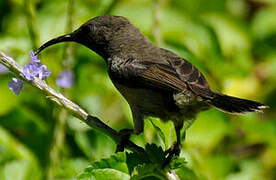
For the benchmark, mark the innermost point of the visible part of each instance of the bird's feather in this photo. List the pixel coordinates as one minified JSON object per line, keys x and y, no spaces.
{"x":158,"y":77}
{"x":179,"y":75}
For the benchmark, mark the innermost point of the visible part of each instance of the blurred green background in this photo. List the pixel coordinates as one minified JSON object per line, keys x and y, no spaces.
{"x":233,"y":42}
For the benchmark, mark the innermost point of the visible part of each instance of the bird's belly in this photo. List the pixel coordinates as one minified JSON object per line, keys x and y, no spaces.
{"x":148,"y":101}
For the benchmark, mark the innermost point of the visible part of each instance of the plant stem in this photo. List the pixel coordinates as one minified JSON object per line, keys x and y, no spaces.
{"x":157,"y":6}
{"x":31,"y":23}
{"x":60,"y":126}
{"x":58,"y":141}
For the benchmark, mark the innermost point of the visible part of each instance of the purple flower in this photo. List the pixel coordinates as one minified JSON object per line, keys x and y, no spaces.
{"x":34,"y":57}
{"x":31,"y":70}
{"x":65,"y":79}
{"x":43,"y":72}
{"x":16,"y":85}
{"x":3,"y":69}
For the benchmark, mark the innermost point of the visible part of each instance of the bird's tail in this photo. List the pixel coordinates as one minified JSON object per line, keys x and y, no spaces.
{"x":235,"y":105}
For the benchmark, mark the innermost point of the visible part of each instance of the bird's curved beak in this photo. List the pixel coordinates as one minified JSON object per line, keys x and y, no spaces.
{"x":64,"y":38}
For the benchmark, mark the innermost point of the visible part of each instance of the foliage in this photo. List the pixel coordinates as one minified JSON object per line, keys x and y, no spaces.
{"x":232,"y":42}
{"x":138,"y":165}
{"x":113,"y":168}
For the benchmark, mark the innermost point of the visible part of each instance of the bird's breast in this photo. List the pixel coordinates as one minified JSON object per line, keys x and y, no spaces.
{"x":149,"y":102}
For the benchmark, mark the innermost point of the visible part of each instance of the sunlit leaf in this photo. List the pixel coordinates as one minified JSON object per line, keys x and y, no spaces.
{"x":107,"y":174}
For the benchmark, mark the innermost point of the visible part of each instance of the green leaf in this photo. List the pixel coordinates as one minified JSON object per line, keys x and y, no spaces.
{"x":156,"y":154}
{"x":149,"y":172}
{"x":159,"y":132}
{"x":165,"y":130}
{"x":134,"y":159}
{"x":185,"y":173}
{"x":263,"y":24}
{"x":150,"y":167}
{"x":112,"y":168}
{"x":70,"y":168}
{"x":177,"y":162}
{"x":19,"y":170}
{"x":231,"y":36}
{"x":154,"y":170}
{"x":116,"y":161}
{"x":94,"y":144}
{"x":106,"y":174}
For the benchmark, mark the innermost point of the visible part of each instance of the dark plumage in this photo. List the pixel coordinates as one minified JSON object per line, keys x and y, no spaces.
{"x":155,"y":82}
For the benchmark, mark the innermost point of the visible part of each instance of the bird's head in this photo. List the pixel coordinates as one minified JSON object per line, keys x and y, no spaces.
{"x":96,"y":34}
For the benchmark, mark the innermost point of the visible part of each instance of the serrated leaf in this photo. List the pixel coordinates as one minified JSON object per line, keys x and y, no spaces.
{"x":106,"y":174}
{"x":177,"y":162}
{"x":156,"y":154}
{"x":116,"y":162}
{"x":111,"y":168}
{"x":86,"y":176}
{"x":134,"y":159}
{"x":149,"y":172}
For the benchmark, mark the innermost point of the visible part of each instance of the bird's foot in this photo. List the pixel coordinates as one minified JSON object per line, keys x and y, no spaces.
{"x":172,"y":152}
{"x":124,"y":134}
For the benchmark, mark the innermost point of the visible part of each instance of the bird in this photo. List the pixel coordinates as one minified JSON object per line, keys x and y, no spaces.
{"x":154,"y":81}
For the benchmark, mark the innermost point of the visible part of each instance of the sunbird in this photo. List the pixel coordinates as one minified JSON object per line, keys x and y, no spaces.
{"x":155,"y":82}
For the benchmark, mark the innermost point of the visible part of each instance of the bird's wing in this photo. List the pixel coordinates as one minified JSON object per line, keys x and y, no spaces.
{"x":169,"y":73}
{"x":179,"y":75}
{"x":161,"y":77}
{"x":192,"y":76}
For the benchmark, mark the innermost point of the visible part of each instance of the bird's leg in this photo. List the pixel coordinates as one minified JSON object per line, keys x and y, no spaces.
{"x":176,"y":147}
{"x":124,"y":134}
{"x":138,"y":120}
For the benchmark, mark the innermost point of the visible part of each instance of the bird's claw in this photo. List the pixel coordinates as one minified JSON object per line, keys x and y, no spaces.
{"x":124,"y":135}
{"x":172,"y":152}
{"x":175,"y":149}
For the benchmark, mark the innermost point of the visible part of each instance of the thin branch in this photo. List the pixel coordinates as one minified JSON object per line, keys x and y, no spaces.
{"x":72,"y":107}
